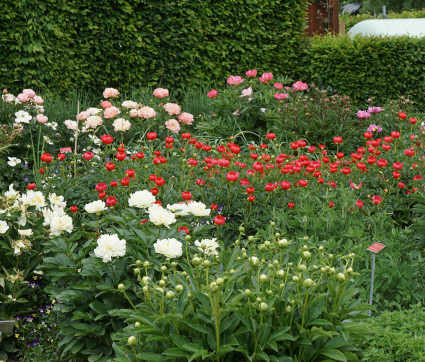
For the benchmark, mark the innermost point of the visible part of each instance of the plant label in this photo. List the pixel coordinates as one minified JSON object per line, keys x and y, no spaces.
{"x":376,"y":248}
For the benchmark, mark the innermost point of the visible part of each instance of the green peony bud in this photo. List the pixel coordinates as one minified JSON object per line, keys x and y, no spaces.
{"x":170,"y":295}
{"x":121,"y":287}
{"x":132,"y":341}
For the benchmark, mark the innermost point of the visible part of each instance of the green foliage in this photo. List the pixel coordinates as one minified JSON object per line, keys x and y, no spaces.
{"x":419,"y":217}
{"x":365,"y":67}
{"x":396,"y":336}
{"x":57,"y":46}
{"x":261,"y":299}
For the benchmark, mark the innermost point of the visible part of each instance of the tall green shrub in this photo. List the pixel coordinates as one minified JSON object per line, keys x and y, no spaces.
{"x":56,"y":45}
{"x":363,"y":67}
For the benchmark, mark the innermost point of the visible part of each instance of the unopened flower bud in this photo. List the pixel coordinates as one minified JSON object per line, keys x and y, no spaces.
{"x":277,"y":235}
{"x":163,"y":268}
{"x":139,"y":262}
{"x":321,"y":248}
{"x":302,"y":267}
{"x":220,"y":281}
{"x":350,"y":270}
{"x":232,"y":271}
{"x":241,"y":229}
{"x":188,"y":238}
{"x":280,"y":273}
{"x":247,"y":292}
{"x":206,"y":263}
{"x":137,"y":325}
{"x":283,"y":243}
{"x":250,"y":238}
{"x":340,"y":277}
{"x":162,"y":283}
{"x":132,"y":341}
{"x":145,"y":288}
{"x":295,"y":278}
{"x":121,"y":287}
{"x":253,"y":260}
{"x":308,"y":283}
{"x":264,"y":307}
{"x":267,"y":243}
{"x":272,"y":224}
{"x":259,"y":300}
{"x":288,"y":309}
{"x":170,"y":295}
{"x":136,"y":271}
{"x":263,"y":278}
{"x":145,"y":264}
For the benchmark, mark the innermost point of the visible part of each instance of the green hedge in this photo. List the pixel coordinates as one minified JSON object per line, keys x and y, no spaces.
{"x":363,"y":67}
{"x":57,"y":45}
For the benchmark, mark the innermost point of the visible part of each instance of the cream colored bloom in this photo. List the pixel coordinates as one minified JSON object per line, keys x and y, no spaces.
{"x":141,"y":199}
{"x":93,"y":122}
{"x":34,"y":198}
{"x":13,"y":161}
{"x":95,"y":206}
{"x":26,"y":232}
{"x":12,"y":193}
{"x":207,"y":246}
{"x":178,"y":209}
{"x":198,"y":209}
{"x":171,"y":248}
{"x":130,"y":104}
{"x":121,"y":124}
{"x":159,"y":216}
{"x":57,"y":200}
{"x":109,"y":246}
{"x":59,"y":224}
{"x":3,"y":227}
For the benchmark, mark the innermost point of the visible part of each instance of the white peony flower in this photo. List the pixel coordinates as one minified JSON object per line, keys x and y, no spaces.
{"x":22,"y":117}
{"x":121,"y":124}
{"x":159,"y":216}
{"x":94,"y":111}
{"x":130,"y":104}
{"x":12,"y":193}
{"x":26,"y":232}
{"x":95,"y":206}
{"x":17,"y":246}
{"x":246,"y":92}
{"x":207,"y":246}
{"x":93,"y":122}
{"x":109,"y":246}
{"x":34,"y":198}
{"x":13,"y":161}
{"x":72,"y":125}
{"x":59,"y":224}
{"x":57,"y":200}
{"x":178,"y":209}
{"x":96,"y":140}
{"x":171,"y":248}
{"x":198,"y":209}
{"x":141,"y":199}
{"x":3,"y":227}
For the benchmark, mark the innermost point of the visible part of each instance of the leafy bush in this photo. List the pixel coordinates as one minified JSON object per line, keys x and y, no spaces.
{"x":350,"y":67}
{"x":55,"y":46}
{"x":396,"y":336}
{"x":258,"y":300}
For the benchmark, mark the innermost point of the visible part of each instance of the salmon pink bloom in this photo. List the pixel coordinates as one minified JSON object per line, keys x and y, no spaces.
{"x":186,"y":118}
{"x":251,"y":73}
{"x":299,"y":86}
{"x":160,"y":92}
{"x":266,"y":77}
{"x":146,"y":112}
{"x":173,"y":125}
{"x":110,"y":92}
{"x":212,"y":93}
{"x":106,"y":104}
{"x":280,"y":96}
{"x":111,"y":112}
{"x":234,"y":80}
{"x":172,"y":108}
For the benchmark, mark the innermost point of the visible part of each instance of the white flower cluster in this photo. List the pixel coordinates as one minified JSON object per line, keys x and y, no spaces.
{"x":207,"y":246}
{"x":109,"y":246}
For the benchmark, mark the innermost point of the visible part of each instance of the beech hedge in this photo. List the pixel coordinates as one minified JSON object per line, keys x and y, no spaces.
{"x":364,"y":67}
{"x":58,"y":45}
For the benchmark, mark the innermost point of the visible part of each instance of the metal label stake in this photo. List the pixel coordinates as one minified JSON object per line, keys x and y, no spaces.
{"x":374,"y":248}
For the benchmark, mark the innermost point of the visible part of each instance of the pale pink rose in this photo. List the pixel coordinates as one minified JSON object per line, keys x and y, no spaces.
{"x":173,"y":125}
{"x":29,"y":92}
{"x":146,"y":112}
{"x":160,"y":92}
{"x":212,"y":94}
{"x":300,"y":86}
{"x":93,"y":122}
{"x":234,"y":80}
{"x":186,"y":118}
{"x":133,"y":113}
{"x":251,"y":73}
{"x":130,"y":104}
{"x":280,"y":96}
{"x":4,"y":91}
{"x":111,"y":112}
{"x":172,"y":108}
{"x":110,"y":92}
{"x":266,"y":77}
{"x":83,"y":115}
{"x":41,"y":118}
{"x":38,"y":100}
{"x":22,"y":97}
{"x":106,"y":104}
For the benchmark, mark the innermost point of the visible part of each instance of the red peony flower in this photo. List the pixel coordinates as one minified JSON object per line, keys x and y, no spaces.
{"x":219,"y":220}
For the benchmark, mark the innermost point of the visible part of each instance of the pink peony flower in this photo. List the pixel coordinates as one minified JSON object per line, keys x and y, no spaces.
{"x":266,"y":77}
{"x":110,"y":92}
{"x":41,"y":118}
{"x":280,"y":96}
{"x":212,"y":93}
{"x":93,"y":122}
{"x":376,"y":199}
{"x":363,"y":114}
{"x":83,"y":115}
{"x":186,"y":118}
{"x":246,"y":92}
{"x":133,"y":112}
{"x":66,"y":150}
{"x":234,"y":80}
{"x":374,"y":110}
{"x":278,"y":86}
{"x":172,"y":108}
{"x":106,"y":104}
{"x":251,"y":73}
{"x":111,"y":112}
{"x":300,"y":86}
{"x":160,"y":92}
{"x":173,"y":125}
{"x":22,"y":97}
{"x":4,"y":91}
{"x":146,"y":112}
{"x":29,"y":92}
{"x":38,"y":100}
